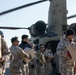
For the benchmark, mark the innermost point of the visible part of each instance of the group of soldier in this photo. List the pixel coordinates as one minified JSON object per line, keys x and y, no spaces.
{"x":41,"y":64}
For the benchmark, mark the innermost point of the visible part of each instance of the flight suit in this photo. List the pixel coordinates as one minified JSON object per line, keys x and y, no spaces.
{"x":40,"y":63}
{"x":48,"y":56}
{"x":16,"y":60}
{"x":65,"y":64}
{"x":5,"y":53}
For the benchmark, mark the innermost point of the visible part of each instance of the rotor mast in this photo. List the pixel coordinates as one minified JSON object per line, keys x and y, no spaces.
{"x":57,"y":18}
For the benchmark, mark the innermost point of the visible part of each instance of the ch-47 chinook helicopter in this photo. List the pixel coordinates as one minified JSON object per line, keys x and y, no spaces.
{"x":57,"y":23}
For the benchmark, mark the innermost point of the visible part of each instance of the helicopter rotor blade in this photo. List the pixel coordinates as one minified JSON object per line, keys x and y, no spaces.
{"x":20,"y":7}
{"x":71,"y":16}
{"x":13,"y":28}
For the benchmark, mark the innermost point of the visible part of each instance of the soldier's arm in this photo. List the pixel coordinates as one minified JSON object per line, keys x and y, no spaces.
{"x":22,"y":53}
{"x":61,"y":49}
{"x":39,"y":57}
{"x":37,"y":54}
{"x":5,"y":50}
{"x":43,"y":59}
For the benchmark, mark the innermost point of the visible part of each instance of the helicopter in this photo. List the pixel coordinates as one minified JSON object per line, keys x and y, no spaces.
{"x":57,"y":23}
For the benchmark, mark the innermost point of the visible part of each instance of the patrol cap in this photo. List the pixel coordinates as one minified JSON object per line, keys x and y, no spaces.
{"x":1,"y":33}
{"x":24,"y":36}
{"x":70,"y":32}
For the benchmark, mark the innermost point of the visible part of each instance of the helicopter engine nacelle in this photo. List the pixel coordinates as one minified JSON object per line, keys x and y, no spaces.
{"x":37,"y":29}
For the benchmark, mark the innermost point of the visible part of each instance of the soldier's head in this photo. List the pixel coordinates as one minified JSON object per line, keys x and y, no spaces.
{"x":41,"y":47}
{"x":1,"y":33}
{"x":70,"y":34}
{"x":25,"y":38}
{"x":15,"y":41}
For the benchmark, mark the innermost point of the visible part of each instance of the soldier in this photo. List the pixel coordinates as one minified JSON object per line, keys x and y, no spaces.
{"x":48,"y":56}
{"x":17,"y":56}
{"x":40,"y":60}
{"x":23,"y":45}
{"x":4,"y":53}
{"x":32,"y":63}
{"x":65,"y":64}
{"x":55,"y":70}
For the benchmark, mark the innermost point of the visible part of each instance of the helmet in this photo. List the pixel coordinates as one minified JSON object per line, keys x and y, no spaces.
{"x":1,"y":33}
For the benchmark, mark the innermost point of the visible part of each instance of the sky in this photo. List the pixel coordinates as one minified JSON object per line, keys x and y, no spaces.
{"x":27,"y":16}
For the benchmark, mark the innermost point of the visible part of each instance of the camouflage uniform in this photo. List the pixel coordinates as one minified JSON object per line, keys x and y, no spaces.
{"x":65,"y":64}
{"x":40,"y":63}
{"x":5,"y":53}
{"x":48,"y":56}
{"x":16,"y":62}
{"x":55,"y":70}
{"x":32,"y":66}
{"x":23,"y":45}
